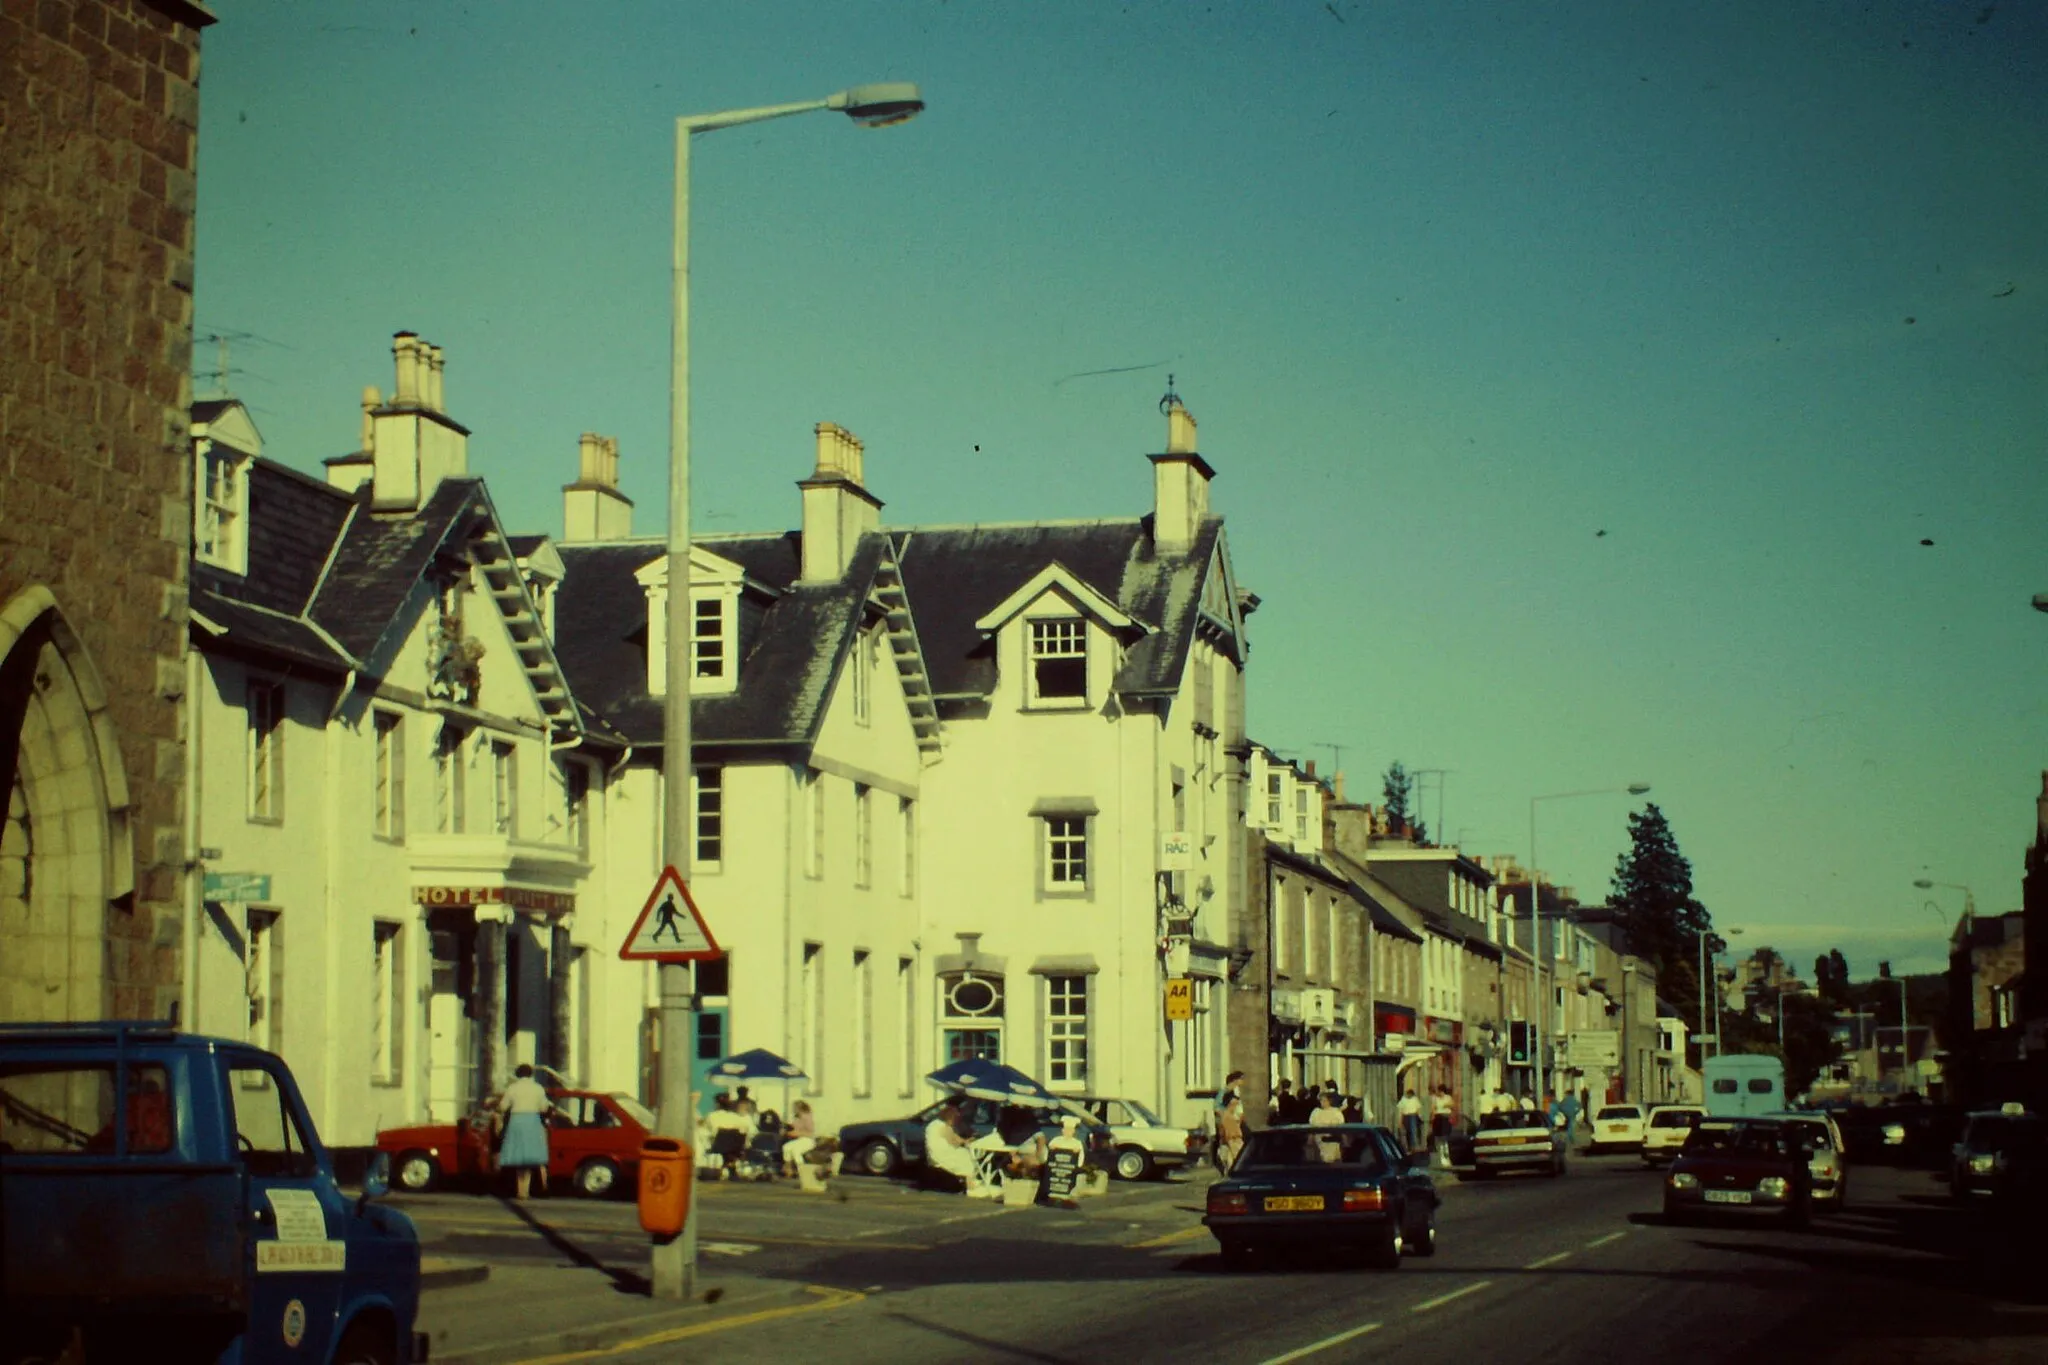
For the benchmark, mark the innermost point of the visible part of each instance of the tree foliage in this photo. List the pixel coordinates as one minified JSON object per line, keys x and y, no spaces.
{"x":1652,"y":897}
{"x":1396,"y":785}
{"x":1831,"y":978}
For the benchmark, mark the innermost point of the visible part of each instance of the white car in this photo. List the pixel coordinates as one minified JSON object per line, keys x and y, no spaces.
{"x":1819,"y":1129}
{"x":1617,"y":1127}
{"x":1667,"y":1129}
{"x":1146,"y":1145}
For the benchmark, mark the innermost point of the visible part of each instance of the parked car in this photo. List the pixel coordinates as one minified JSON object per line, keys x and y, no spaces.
{"x":1517,"y":1140}
{"x":1322,"y":1190}
{"x":593,"y":1145}
{"x":1146,"y":1145}
{"x":1909,"y":1134}
{"x":891,"y":1146}
{"x":1747,"y":1165}
{"x":1829,"y":1163}
{"x":1988,"y":1145}
{"x":1617,"y":1128}
{"x":1666,"y":1129}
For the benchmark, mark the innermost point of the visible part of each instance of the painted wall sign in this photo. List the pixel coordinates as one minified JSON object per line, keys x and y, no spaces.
{"x":525,"y":898}
{"x":237,"y":886}
{"x":1180,"y":998}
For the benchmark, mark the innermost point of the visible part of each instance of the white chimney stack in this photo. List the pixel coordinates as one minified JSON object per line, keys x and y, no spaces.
{"x":412,"y":443}
{"x":1180,"y":482}
{"x":593,"y":508}
{"x":838,"y":509}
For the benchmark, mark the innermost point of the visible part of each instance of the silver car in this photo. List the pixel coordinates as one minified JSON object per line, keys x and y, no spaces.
{"x":1146,"y":1145}
{"x":1830,"y":1174}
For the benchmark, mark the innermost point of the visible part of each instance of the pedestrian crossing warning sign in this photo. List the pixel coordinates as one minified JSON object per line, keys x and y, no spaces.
{"x":671,"y":928}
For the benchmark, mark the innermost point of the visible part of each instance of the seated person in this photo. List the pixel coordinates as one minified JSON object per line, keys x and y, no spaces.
{"x":725,"y":1131}
{"x":1018,"y":1128}
{"x":799,"y":1138}
{"x":945,"y":1150}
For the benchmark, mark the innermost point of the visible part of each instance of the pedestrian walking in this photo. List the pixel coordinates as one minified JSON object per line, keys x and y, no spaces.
{"x":1326,"y":1114}
{"x":524,"y":1148}
{"x":1281,"y":1109}
{"x":1569,"y":1108}
{"x":1229,"y":1134}
{"x":1410,"y":1111}
{"x":1232,"y":1094}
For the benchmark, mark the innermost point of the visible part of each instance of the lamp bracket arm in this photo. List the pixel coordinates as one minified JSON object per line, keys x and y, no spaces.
{"x":732,"y":118}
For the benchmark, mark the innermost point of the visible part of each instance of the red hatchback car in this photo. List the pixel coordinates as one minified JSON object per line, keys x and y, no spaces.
{"x":593,"y":1144}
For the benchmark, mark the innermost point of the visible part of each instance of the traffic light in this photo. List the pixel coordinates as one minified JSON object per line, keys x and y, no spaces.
{"x":1518,"y":1042}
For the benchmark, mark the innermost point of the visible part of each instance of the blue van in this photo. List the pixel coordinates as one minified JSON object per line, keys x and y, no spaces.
{"x":1744,"y":1084}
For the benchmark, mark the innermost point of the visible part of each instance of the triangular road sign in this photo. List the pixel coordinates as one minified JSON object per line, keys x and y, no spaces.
{"x":664,"y":933}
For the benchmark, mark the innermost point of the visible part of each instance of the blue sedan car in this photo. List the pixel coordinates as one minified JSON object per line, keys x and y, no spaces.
{"x":1347,"y":1187}
{"x":890,"y":1146}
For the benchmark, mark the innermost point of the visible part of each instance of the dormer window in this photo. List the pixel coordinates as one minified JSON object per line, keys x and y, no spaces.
{"x":1059,"y":661}
{"x":708,"y":637}
{"x":222,"y":505}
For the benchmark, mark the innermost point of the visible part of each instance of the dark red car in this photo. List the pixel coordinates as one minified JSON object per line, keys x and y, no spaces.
{"x":593,"y":1144}
{"x":1739,"y":1166}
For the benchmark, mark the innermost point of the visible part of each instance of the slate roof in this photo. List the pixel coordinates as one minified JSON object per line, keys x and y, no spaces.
{"x":791,"y":638}
{"x":955,"y":575}
{"x":1384,"y":921}
{"x":329,"y":581}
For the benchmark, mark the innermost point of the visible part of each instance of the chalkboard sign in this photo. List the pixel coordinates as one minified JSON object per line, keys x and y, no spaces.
{"x":1062,"y":1170}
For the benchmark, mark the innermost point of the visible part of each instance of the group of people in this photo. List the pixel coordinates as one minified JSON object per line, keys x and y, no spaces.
{"x":738,"y":1113}
{"x":1291,"y":1106}
{"x":949,"y":1143}
{"x":1443,"y":1117}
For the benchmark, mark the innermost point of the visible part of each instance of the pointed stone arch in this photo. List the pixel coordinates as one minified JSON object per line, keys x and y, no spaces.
{"x":66,"y":855}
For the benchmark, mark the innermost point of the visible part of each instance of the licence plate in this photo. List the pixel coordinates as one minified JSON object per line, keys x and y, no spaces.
{"x":1293,"y":1203}
{"x":1727,"y":1196}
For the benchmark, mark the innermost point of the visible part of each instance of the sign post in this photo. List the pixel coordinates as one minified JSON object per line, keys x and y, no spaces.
{"x":670,"y":930}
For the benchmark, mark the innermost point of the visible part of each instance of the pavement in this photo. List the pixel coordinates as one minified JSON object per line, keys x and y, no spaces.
{"x":1575,"y":1269}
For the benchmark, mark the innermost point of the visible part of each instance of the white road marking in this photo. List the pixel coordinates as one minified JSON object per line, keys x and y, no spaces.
{"x":1548,"y":1260}
{"x":1325,"y":1344}
{"x":1442,"y":1299}
{"x":1603,"y":1241}
{"x":728,"y":1248}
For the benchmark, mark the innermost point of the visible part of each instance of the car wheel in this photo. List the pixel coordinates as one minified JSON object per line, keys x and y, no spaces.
{"x":1424,"y":1244}
{"x":1385,"y":1254}
{"x":363,"y":1344}
{"x":1235,"y":1253}
{"x":878,"y":1158}
{"x":1673,"y":1215}
{"x":597,"y":1177}
{"x":415,"y":1172}
{"x":1133,"y":1163}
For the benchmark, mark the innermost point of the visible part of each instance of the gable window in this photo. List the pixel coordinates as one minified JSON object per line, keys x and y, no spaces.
{"x":1301,"y":814}
{"x":1066,"y":853}
{"x":505,"y":788}
{"x":708,"y":847}
{"x":223,"y":494}
{"x":387,"y":1007}
{"x":1273,"y":788}
{"x":814,"y":806}
{"x":862,"y":662}
{"x":1059,"y":660}
{"x":390,"y":799}
{"x":906,"y":875}
{"x":863,"y":835}
{"x":708,"y":637}
{"x":576,"y":804}
{"x":266,"y":751}
{"x":451,"y":782}
{"x":1066,"y":1031}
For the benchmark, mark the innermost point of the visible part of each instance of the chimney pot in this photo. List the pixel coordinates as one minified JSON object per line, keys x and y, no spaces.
{"x":1180,"y":430}
{"x":405,"y":356}
{"x":433,"y":385}
{"x":589,"y":459}
{"x":372,"y":400}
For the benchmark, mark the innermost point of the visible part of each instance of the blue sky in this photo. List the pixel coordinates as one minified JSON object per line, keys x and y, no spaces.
{"x":1582,"y":380}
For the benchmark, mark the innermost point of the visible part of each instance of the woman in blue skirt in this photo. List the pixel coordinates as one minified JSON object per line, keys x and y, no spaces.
{"x":524,"y":1148}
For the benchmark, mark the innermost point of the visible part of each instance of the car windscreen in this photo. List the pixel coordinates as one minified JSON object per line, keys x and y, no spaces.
{"x":639,"y":1112}
{"x":1511,"y":1118}
{"x":1674,"y":1118}
{"x":2000,"y":1132}
{"x":1620,"y":1112}
{"x":1352,"y":1150}
{"x":1747,"y":1139}
{"x":1144,"y":1114}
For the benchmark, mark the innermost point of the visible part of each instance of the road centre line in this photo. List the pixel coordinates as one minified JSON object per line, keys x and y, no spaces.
{"x":1548,"y":1260}
{"x":1442,"y":1299}
{"x":1603,"y":1241}
{"x":828,"y":1298}
{"x":634,"y":1234}
{"x":1325,"y":1344}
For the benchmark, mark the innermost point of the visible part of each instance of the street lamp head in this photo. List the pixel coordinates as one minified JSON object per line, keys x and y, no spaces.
{"x":1638,"y":788}
{"x":878,"y":106}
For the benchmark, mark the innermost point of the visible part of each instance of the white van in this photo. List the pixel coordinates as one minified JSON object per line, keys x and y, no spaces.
{"x":1744,"y":1084}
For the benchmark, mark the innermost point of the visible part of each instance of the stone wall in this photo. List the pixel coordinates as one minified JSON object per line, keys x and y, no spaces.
{"x":99,"y":114}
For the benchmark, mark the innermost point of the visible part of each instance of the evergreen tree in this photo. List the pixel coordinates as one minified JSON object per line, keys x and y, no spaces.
{"x":1395,"y":788}
{"x":1652,"y":896}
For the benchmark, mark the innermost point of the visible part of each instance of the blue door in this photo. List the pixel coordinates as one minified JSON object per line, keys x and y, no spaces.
{"x":712,"y":1040}
{"x":298,"y":1221}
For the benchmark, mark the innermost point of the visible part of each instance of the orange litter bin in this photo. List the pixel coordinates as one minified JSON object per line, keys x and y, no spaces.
{"x":667,"y":1166}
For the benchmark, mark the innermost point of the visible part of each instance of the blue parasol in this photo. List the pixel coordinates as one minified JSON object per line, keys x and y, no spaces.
{"x":996,"y":1081}
{"x":756,"y":1064}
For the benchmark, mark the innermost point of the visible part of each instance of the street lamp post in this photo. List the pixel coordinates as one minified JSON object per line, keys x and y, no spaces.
{"x":674,"y":1266}
{"x":1543,"y":1078}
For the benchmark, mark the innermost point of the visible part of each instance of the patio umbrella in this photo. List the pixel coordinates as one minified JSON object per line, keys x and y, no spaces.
{"x":994,"y":1081}
{"x":756,"y":1064}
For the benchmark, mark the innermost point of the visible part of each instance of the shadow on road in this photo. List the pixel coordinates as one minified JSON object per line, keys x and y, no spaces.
{"x":624,"y":1281}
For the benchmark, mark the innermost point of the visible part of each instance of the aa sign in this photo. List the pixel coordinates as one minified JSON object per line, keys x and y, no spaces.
{"x":1180,"y":998}
{"x":671,"y":928}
